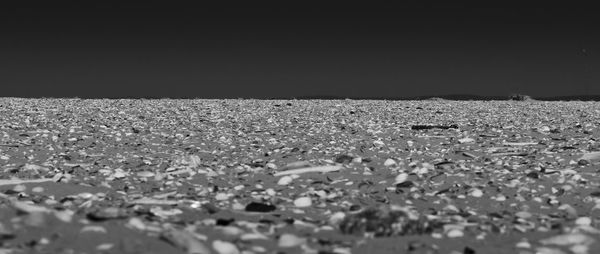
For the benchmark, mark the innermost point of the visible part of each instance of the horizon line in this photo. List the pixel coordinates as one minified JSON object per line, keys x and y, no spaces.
{"x":455,"y":97}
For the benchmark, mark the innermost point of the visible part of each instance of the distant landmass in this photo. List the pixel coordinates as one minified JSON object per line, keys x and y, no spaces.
{"x":456,"y":97}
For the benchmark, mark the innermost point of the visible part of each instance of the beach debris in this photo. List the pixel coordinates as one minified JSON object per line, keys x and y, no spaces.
{"x":318,"y":169}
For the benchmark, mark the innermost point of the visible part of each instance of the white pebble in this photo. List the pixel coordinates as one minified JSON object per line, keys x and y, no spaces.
{"x":523,"y":214}
{"x":289,"y":240}
{"x":136,"y":223}
{"x":583,"y":221}
{"x":466,"y":140}
{"x":303,"y":202}
{"x":223,"y":247}
{"x":568,"y":239}
{"x":336,"y":218}
{"x":389,"y":162}
{"x":453,"y":233}
{"x":546,"y":250}
{"x":221,"y":196}
{"x":523,"y":244}
{"x":270,"y":192}
{"x":476,"y":193}
{"x":104,"y":246}
{"x":285,"y":180}
{"x":38,"y":189}
{"x":580,"y":249}
{"x":119,"y":174}
{"x":237,"y":206}
{"x":400,"y":178}
{"x":146,"y":174}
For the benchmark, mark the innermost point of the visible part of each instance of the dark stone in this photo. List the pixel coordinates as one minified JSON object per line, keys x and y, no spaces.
{"x":533,"y":175}
{"x":468,"y":250}
{"x":343,"y":158}
{"x":405,"y":184}
{"x":429,"y":127}
{"x":260,"y":207}
{"x":354,"y":208}
{"x":101,"y":214}
{"x":520,"y":97}
{"x":383,"y":222}
{"x":583,"y":162}
{"x":210,"y":208}
{"x":224,"y":222}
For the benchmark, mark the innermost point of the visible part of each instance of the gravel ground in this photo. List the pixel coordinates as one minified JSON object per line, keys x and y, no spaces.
{"x":299,"y":176}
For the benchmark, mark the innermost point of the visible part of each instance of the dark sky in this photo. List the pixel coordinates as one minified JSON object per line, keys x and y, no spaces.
{"x":254,"y":50}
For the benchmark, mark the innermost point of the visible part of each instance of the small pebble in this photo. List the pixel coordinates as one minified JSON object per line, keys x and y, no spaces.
{"x":378,"y":143}
{"x":136,"y":223}
{"x":289,"y":240}
{"x":119,"y":174}
{"x":580,"y":249}
{"x":400,"y":178}
{"x":453,"y":233}
{"x":544,"y":129}
{"x":221,"y":196}
{"x":223,"y":247}
{"x":583,"y":221}
{"x":270,"y":192}
{"x":44,"y":241}
{"x":93,"y":229}
{"x":237,"y":206}
{"x":523,"y":244}
{"x":570,"y":210}
{"x":37,"y":189}
{"x":20,"y":188}
{"x":64,"y":215}
{"x":466,"y":140}
{"x":85,"y":195}
{"x":259,"y":207}
{"x":546,"y":250}
{"x":336,"y":218}
{"x":104,"y":246}
{"x":523,"y":215}
{"x":146,"y":174}
{"x":389,"y":162}
{"x":303,"y":202}
{"x":568,"y":239}
{"x":258,"y":249}
{"x":285,"y":180}
{"x":476,"y":193}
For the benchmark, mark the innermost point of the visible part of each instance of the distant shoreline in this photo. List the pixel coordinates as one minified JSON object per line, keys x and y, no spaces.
{"x":453,"y":97}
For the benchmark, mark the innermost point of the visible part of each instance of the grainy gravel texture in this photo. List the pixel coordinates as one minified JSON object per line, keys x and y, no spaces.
{"x":299,"y":176}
